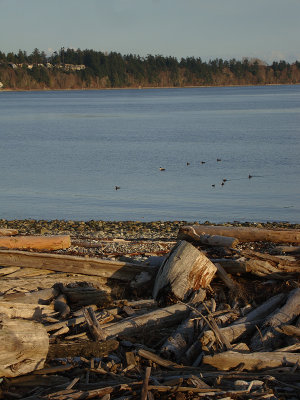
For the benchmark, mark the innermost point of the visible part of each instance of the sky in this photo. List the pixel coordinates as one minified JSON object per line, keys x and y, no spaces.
{"x":264,"y":29}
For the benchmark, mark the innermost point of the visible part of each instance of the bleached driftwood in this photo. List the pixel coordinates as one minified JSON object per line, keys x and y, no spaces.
{"x":23,"y":346}
{"x":185,"y":271}
{"x":64,"y":263}
{"x":265,"y":339}
{"x":53,"y":242}
{"x":26,"y":311}
{"x":250,"y":361}
{"x":8,"y":232}
{"x":161,"y":317}
{"x":44,"y":296}
{"x":243,"y":234}
{"x":190,"y":234}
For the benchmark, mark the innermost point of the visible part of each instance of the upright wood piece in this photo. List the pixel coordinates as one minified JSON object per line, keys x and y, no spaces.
{"x":185,"y":271}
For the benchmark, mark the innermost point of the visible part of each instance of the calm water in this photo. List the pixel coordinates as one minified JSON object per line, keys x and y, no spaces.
{"x":62,"y":154}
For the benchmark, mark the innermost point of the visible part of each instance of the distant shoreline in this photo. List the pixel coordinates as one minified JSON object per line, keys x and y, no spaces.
{"x":146,"y":87}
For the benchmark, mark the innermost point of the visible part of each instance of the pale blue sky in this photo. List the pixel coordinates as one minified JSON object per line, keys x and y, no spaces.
{"x":267,"y":29}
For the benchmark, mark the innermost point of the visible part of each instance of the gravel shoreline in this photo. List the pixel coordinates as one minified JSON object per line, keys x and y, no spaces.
{"x":121,"y":229}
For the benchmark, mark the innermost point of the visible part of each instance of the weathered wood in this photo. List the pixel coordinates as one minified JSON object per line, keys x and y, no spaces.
{"x":257,"y":267}
{"x":185,"y":271}
{"x":93,"y":324}
{"x":162,"y":317}
{"x":53,"y":242}
{"x":8,"y":232}
{"x":64,"y":263}
{"x":61,"y":306}
{"x":289,"y":330}
{"x":263,"y":310}
{"x":26,"y":311}
{"x":23,"y":346}
{"x":157,"y":359}
{"x":243,"y":234}
{"x":85,"y":349}
{"x":86,"y":295}
{"x":211,"y":240}
{"x":251,"y":361}
{"x":146,"y":384}
{"x":231,"y":332}
{"x":265,"y":339}
{"x":222,"y":274}
{"x":44,"y":296}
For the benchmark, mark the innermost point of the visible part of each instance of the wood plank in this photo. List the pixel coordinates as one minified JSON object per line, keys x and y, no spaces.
{"x":64,"y":263}
{"x":51,"y":242}
{"x":243,"y":234}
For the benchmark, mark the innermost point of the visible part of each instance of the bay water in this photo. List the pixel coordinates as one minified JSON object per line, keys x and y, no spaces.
{"x":62,"y":154}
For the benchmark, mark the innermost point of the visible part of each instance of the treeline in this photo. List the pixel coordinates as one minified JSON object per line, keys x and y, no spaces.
{"x":76,"y":69}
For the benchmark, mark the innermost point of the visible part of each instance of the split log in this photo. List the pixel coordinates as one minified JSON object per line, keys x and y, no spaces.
{"x":77,"y":265}
{"x":8,"y":232}
{"x":26,"y":311}
{"x":93,"y":324}
{"x":251,"y":361}
{"x":53,"y":242}
{"x":243,"y":234}
{"x":162,"y":317}
{"x":23,"y":346}
{"x":185,"y":271}
{"x":266,"y":339}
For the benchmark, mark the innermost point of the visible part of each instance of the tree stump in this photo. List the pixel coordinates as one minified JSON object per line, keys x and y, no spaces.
{"x":185,"y":271}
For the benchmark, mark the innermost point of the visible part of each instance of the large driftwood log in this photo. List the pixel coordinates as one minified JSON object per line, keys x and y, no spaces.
{"x":162,"y":317}
{"x":23,"y":346}
{"x":252,"y":361}
{"x":185,"y":271}
{"x":86,"y":266}
{"x":8,"y":232}
{"x":243,"y":234}
{"x":266,"y":339}
{"x":53,"y":242}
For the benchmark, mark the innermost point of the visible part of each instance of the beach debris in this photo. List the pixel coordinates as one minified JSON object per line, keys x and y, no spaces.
{"x":41,"y":242}
{"x":217,"y":317}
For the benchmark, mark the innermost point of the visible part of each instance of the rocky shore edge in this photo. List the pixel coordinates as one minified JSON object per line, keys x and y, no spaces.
{"x":121,"y":229}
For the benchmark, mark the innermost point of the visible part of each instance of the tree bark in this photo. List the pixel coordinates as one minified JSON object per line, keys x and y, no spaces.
{"x":54,"y":242}
{"x":23,"y":346}
{"x":185,"y":271}
{"x":243,"y":234}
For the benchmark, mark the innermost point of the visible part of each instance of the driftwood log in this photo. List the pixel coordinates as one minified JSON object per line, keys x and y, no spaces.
{"x":243,"y":234}
{"x":53,"y":242}
{"x":26,"y":311}
{"x":251,"y":361}
{"x":185,"y":271}
{"x":266,"y":338}
{"x":86,"y":266}
{"x":23,"y":346}
{"x":8,"y":232}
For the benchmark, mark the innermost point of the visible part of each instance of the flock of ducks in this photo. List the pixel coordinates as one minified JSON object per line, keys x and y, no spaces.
{"x":202,"y":162}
